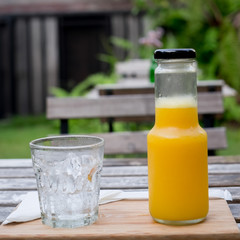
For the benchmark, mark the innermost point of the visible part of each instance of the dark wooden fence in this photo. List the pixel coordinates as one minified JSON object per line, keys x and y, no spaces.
{"x":40,"y":51}
{"x":29,"y":63}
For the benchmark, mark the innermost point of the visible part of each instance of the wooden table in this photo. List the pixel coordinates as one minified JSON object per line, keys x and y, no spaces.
{"x":17,"y":178}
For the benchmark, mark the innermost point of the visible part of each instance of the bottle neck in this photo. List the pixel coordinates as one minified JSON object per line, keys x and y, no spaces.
{"x":176,"y":93}
{"x":176,"y":77}
{"x":178,"y":112}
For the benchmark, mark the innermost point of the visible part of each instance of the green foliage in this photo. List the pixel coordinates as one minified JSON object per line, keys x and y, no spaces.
{"x":120,"y":42}
{"x":146,"y":52}
{"x":233,"y":139}
{"x":18,"y":131}
{"x":78,"y":125}
{"x":86,"y":126}
{"x":14,"y":145}
{"x":211,"y":27}
{"x":59,"y":92}
{"x":110,"y":57}
{"x":83,"y":87}
{"x":229,"y":56}
{"x":231,"y":110}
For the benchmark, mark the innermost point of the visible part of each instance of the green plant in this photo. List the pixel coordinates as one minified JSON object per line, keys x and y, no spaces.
{"x":231,"y":110}
{"x":233,"y":139}
{"x":75,"y":125}
{"x":18,"y":131}
{"x":110,"y":57}
{"x":211,"y":27}
{"x":83,"y":87}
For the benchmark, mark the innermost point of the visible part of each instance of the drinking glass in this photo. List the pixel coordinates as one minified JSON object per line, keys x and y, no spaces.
{"x":67,"y":170}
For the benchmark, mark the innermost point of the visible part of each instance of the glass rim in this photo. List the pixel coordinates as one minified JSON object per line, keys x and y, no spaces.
{"x":34,"y":143}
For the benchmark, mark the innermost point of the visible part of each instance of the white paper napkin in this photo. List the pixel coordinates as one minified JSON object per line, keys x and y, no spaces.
{"x":29,"y":208}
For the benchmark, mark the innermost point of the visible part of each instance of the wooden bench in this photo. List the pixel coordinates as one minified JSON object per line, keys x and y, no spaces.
{"x":128,"y":107}
{"x":129,"y":86}
{"x":210,"y":86}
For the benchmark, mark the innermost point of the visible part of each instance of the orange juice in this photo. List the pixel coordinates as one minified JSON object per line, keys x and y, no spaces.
{"x":177,"y":163}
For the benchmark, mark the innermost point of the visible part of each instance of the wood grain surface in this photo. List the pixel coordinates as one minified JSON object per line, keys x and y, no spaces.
{"x":129,"y":174}
{"x":136,"y":142}
{"x":129,"y":86}
{"x":131,"y":220}
{"x":108,"y":171}
{"x":27,"y":162}
{"x":119,"y":182}
{"x":121,"y":106}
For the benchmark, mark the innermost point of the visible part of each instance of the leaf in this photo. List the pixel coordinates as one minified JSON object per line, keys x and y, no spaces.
{"x":121,"y":42}
{"x":82,"y":88}
{"x":232,"y":109}
{"x":229,"y":56}
{"x":59,"y":92}
{"x":79,"y":89}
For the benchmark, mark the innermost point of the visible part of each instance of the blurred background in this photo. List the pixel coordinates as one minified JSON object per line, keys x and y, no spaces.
{"x":66,"y":47}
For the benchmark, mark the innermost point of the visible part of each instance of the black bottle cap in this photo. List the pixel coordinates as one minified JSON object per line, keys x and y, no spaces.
{"x":175,"y":53}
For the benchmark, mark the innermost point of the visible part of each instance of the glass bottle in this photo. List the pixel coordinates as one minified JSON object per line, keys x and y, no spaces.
{"x":177,"y":145}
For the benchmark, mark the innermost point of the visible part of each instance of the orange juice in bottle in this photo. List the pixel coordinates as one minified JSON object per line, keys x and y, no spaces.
{"x":177,"y":145}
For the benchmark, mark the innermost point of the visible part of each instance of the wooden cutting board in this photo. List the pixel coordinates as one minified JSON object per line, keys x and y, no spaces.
{"x":131,"y":220}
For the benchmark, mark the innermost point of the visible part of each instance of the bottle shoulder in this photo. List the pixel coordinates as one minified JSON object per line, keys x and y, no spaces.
{"x":174,"y":132}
